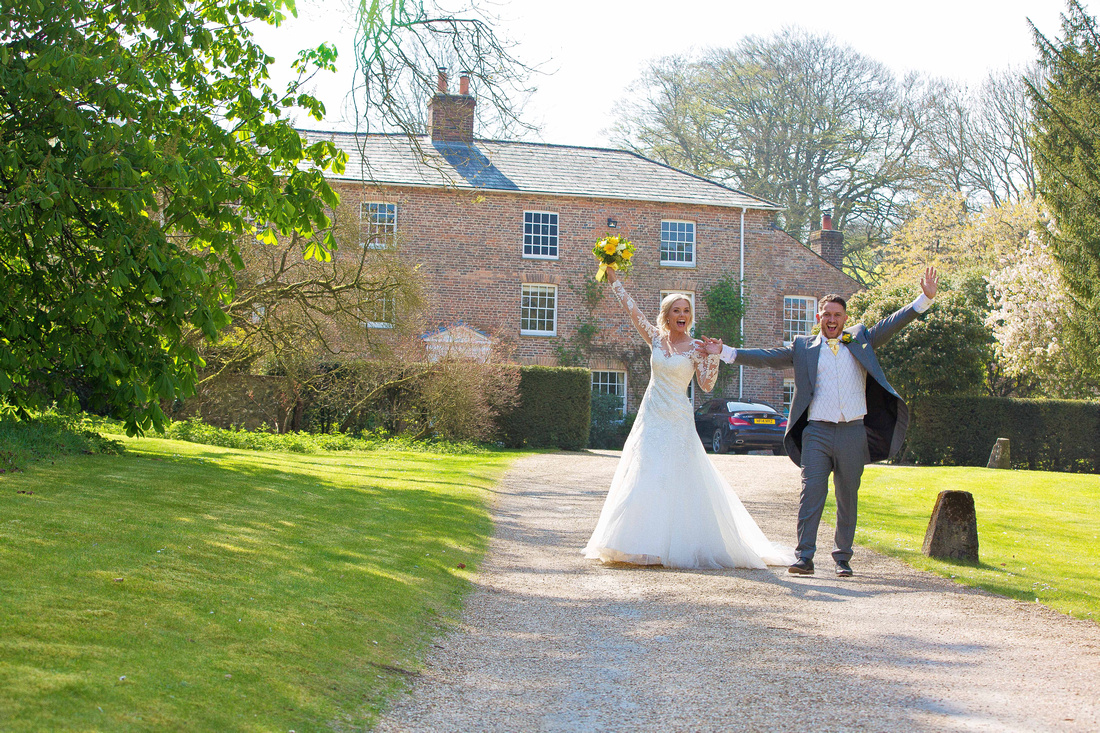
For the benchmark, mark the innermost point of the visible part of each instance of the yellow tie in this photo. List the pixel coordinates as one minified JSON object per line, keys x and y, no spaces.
{"x":834,"y":346}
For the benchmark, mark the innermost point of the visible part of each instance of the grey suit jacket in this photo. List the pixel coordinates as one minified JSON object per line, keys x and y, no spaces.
{"x":887,"y":414}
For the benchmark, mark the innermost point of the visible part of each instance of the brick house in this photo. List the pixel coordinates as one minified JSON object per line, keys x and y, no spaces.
{"x":503,"y":232}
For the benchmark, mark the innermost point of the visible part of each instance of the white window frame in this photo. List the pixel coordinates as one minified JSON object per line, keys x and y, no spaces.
{"x":669,"y":262}
{"x":528,"y":290}
{"x":379,"y":234}
{"x":788,"y":394}
{"x":619,"y":384}
{"x":789,"y":303}
{"x":556,"y":242}
{"x":389,"y":308}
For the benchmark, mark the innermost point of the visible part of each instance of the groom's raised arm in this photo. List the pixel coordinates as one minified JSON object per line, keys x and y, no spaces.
{"x":882,"y":331}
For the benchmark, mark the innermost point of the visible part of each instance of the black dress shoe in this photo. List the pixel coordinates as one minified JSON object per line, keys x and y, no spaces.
{"x":843,"y":569}
{"x":804,"y":566}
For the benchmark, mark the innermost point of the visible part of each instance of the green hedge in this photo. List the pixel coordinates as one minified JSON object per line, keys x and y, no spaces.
{"x":553,"y":412}
{"x":1047,"y":435}
{"x":608,"y":427}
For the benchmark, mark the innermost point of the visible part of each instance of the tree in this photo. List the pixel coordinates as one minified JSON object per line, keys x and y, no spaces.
{"x":976,"y":143}
{"x":945,"y":352}
{"x":725,"y":310}
{"x":945,"y":232}
{"x":794,"y":118}
{"x":140,"y":142}
{"x":1031,"y":321}
{"x":289,"y":314}
{"x":979,"y":249}
{"x":401,"y":43}
{"x":1066,"y":145}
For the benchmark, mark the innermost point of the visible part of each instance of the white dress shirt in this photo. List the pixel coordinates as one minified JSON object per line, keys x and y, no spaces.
{"x":840,"y":392}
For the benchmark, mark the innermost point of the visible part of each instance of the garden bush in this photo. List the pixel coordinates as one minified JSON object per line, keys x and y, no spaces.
{"x":553,"y":409}
{"x":454,"y":400}
{"x":1047,"y":435}
{"x":608,"y":427}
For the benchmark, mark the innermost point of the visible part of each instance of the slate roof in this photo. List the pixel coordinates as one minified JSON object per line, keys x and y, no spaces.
{"x":535,"y":168}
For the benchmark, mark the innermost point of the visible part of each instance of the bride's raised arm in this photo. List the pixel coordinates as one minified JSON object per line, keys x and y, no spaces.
{"x":648,"y":330}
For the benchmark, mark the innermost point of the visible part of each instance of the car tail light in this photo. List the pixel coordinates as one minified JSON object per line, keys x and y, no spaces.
{"x":736,"y":421}
{"x":782,"y":423}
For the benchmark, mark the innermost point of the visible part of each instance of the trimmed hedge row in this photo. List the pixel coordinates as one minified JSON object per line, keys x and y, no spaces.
{"x":554,"y":409}
{"x":1046,"y":435}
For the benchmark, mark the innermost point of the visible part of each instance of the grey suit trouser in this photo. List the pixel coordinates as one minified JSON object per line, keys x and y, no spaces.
{"x":840,"y":449}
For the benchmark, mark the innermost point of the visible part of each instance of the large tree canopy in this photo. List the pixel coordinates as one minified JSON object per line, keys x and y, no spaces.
{"x":795,"y":118}
{"x":139,"y":140}
{"x":1066,"y":145}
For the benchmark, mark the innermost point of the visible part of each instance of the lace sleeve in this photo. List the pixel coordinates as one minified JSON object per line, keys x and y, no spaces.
{"x":706,"y":369}
{"x":648,"y":330}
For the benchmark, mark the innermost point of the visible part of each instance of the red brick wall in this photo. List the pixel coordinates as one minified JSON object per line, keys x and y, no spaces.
{"x":469,"y":246}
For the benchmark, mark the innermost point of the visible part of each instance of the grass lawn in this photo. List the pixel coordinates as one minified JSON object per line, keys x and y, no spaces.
{"x":1038,"y":532}
{"x":190,"y":587}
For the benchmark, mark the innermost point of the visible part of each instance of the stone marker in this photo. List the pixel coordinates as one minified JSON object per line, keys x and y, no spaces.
{"x":1000,"y":456}
{"x":953,"y":530}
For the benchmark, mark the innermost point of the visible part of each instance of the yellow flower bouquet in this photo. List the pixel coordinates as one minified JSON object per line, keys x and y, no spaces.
{"x":613,"y":252}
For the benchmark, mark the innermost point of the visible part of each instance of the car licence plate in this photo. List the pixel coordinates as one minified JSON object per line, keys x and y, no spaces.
{"x":764,"y":420}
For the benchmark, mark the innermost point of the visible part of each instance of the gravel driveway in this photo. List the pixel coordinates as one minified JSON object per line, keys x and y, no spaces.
{"x":550,"y":641}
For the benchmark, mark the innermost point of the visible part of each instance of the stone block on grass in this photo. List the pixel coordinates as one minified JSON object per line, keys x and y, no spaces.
{"x":953,"y":529}
{"x":1000,"y":456}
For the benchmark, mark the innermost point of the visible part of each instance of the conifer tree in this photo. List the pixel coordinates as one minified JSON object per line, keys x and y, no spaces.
{"x":1066,"y":145}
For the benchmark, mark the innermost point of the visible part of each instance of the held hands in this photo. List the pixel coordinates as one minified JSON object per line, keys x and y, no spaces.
{"x":930,"y":282}
{"x":611,"y":275}
{"x":711,"y":347}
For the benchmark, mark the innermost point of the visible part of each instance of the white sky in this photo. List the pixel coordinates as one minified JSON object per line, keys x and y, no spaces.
{"x":592,"y":50}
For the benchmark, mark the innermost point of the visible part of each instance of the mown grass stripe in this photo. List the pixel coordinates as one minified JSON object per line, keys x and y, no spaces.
{"x":189,"y":587}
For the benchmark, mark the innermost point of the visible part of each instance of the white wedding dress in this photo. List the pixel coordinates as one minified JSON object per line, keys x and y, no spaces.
{"x":668,"y":505}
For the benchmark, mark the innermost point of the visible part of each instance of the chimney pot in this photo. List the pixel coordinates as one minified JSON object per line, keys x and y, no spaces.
{"x":826,"y":220}
{"x":828,"y":243}
{"x":464,"y":83}
{"x":451,"y":116}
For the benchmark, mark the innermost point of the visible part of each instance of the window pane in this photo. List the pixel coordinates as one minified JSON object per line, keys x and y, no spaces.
{"x":537,"y":308}
{"x":613,"y":383}
{"x":540,"y":234}
{"x":380,"y":223}
{"x":678,"y":242}
{"x":381,"y":311}
{"x":798,"y":317}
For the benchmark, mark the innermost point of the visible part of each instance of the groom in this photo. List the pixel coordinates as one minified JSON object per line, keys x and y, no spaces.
{"x":844,"y":413}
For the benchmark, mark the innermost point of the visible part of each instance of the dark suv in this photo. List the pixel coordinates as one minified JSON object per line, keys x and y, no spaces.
{"x":728,"y":424}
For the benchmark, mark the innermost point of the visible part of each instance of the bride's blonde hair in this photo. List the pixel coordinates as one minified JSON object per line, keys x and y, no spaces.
{"x":666,"y":306}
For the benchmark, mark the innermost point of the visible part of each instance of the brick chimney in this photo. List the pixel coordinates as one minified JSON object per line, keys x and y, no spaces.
{"x":451,"y":116}
{"x":828,"y":242}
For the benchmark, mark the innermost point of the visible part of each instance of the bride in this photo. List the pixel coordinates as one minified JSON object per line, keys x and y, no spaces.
{"x":668,"y":505}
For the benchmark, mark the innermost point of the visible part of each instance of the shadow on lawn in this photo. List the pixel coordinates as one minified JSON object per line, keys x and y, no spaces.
{"x":292,"y":580}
